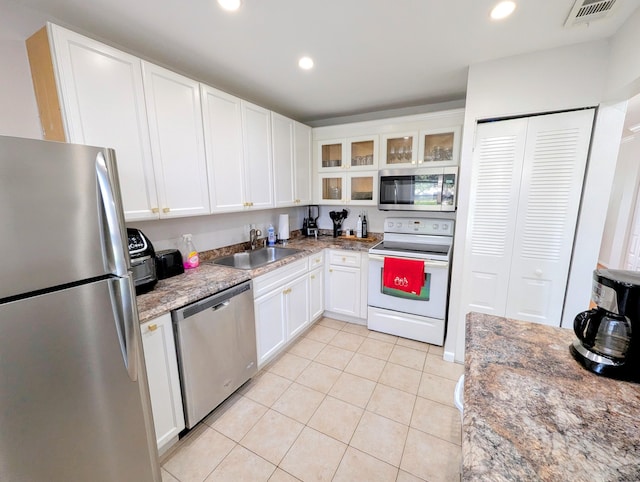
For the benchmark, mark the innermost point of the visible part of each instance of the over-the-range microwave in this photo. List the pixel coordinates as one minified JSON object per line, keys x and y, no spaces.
{"x":419,"y":189}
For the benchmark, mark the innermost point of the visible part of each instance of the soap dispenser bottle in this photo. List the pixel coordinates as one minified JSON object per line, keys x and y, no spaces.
{"x":271,"y":236}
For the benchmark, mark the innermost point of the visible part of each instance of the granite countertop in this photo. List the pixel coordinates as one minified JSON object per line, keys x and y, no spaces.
{"x":208,"y":278}
{"x":531,"y":412}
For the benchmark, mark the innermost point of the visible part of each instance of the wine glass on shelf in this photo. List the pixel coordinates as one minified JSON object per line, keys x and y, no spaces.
{"x":392,"y":154}
{"x":400,"y":154}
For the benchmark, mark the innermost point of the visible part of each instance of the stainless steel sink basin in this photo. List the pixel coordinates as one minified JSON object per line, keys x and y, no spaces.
{"x":257,"y":258}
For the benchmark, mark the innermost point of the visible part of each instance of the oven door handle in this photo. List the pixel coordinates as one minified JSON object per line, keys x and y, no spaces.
{"x":427,"y":262}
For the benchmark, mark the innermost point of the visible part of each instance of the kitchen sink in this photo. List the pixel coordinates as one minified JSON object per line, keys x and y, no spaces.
{"x":255,"y":259}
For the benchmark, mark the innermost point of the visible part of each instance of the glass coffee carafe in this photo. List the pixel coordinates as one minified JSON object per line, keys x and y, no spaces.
{"x":604,"y":333}
{"x":607,"y":336}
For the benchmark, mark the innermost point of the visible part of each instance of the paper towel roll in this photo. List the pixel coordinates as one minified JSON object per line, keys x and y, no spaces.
{"x":283,"y":226}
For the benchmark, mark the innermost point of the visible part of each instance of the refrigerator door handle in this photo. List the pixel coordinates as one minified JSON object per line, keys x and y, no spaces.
{"x":126,"y":318}
{"x":113,"y":221}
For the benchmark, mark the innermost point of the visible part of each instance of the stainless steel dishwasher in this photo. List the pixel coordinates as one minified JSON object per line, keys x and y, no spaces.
{"x":216,"y":345}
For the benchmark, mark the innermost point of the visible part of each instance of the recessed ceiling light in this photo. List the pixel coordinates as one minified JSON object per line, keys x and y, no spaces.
{"x":503,"y":10}
{"x":230,"y":5}
{"x":305,"y":63}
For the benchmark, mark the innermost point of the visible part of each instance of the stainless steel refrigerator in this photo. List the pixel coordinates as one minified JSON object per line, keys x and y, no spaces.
{"x":74,"y":403}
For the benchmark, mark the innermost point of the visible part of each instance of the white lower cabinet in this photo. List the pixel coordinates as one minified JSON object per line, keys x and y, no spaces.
{"x":286,"y":301}
{"x":164,"y":383}
{"x":344,"y":283}
{"x":271,"y":331}
{"x":316,"y":286}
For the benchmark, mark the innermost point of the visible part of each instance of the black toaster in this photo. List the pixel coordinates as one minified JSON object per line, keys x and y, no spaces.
{"x":168,"y":263}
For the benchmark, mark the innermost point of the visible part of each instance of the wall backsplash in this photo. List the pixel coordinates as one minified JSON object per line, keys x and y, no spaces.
{"x":219,"y":230}
{"x":216,"y":230}
{"x":375,"y":217}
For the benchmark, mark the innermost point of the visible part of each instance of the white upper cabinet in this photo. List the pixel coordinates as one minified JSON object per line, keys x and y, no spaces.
{"x":102,"y":103}
{"x":400,"y":149}
{"x":258,"y":173}
{"x":291,"y":161}
{"x":182,"y":148}
{"x":223,"y":142}
{"x":439,"y":147}
{"x":357,"y":153}
{"x":302,"y":163}
{"x":177,"y":143}
{"x":283,"y":160}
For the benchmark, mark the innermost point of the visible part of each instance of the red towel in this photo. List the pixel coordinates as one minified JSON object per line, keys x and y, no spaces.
{"x":403,"y":274}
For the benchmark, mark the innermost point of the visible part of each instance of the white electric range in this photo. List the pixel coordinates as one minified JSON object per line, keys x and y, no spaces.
{"x":416,"y":316}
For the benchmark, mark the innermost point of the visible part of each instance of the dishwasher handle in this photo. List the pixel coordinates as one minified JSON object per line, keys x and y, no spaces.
{"x":215,"y":302}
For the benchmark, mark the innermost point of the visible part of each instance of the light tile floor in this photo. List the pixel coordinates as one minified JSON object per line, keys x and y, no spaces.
{"x":343,"y":403}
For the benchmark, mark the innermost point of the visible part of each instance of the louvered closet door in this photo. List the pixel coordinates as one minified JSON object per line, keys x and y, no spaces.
{"x":495,"y":185}
{"x":553,"y":171}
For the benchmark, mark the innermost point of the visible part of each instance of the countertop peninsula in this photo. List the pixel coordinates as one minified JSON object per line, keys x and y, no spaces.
{"x":531,"y":412}
{"x":208,"y":278}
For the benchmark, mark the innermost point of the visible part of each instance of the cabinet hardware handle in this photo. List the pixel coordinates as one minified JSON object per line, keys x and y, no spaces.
{"x":155,"y":210}
{"x":312,"y":277}
{"x":153,"y":327}
{"x":344,"y":259}
{"x":317,"y":260}
{"x":330,"y":271}
{"x":165,"y":210}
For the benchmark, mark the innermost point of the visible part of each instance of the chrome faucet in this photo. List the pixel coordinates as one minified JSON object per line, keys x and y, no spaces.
{"x":254,"y":234}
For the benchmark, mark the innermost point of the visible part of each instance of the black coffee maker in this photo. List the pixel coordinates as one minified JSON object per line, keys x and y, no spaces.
{"x":608,"y":340}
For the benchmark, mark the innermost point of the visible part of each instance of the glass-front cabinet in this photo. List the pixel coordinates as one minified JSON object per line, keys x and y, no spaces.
{"x":358,"y":188}
{"x":363,"y":152}
{"x":400,"y":149}
{"x":439,"y":147}
{"x":331,"y":155}
{"x":359,"y":153}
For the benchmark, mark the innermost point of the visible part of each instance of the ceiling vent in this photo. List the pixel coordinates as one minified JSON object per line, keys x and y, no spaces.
{"x":587,"y":11}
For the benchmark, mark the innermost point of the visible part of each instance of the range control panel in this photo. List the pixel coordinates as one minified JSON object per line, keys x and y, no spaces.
{"x":419,"y":226}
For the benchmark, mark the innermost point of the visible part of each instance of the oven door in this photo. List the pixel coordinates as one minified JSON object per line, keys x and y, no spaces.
{"x":432,"y":301}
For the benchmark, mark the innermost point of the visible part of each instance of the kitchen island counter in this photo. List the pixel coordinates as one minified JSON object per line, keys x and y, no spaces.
{"x":531,"y":412}
{"x":207,"y":279}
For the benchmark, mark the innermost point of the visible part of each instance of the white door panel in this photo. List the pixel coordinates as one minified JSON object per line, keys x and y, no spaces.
{"x":495,"y":186}
{"x":554,"y":163}
{"x":223,"y":144}
{"x":525,"y":195}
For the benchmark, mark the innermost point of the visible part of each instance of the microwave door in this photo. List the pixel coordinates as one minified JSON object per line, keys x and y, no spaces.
{"x":428,"y":191}
{"x":396,"y":190}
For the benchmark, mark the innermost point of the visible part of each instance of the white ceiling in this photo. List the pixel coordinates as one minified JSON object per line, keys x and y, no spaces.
{"x":370,"y":55}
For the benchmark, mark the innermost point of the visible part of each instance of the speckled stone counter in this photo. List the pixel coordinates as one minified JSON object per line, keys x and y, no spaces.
{"x":532,"y":413}
{"x":195,"y":284}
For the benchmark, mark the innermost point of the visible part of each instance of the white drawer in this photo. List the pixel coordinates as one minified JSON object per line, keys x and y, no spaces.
{"x":316,"y":260}
{"x":344,"y":258}
{"x":278,"y":277}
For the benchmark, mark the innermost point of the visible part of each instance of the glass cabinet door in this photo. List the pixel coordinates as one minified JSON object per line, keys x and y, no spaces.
{"x":361,"y":188}
{"x":363,"y":152}
{"x":331,"y":188}
{"x":400,"y":149}
{"x":330,"y":153}
{"x":439,"y":147}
